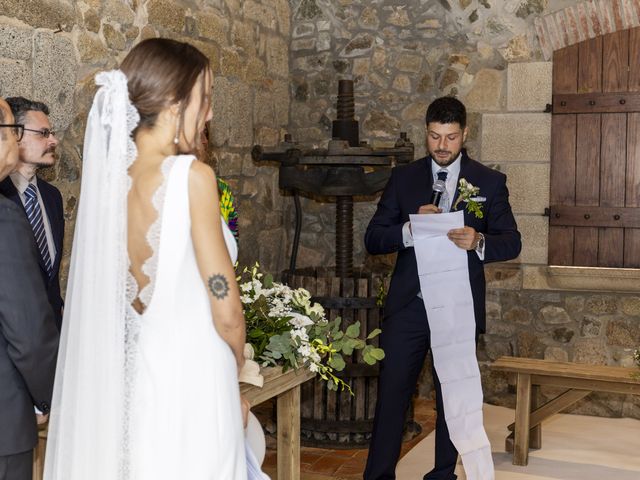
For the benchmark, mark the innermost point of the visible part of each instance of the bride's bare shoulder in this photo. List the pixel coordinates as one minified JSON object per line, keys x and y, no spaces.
{"x":202,"y":180}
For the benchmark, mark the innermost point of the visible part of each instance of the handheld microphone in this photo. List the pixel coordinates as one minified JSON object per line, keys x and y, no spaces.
{"x":439,"y":188}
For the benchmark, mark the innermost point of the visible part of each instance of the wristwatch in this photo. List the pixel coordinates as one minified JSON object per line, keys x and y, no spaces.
{"x":480,"y":244}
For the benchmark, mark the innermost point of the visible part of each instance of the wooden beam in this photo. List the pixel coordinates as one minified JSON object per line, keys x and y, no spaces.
{"x":619,"y":102}
{"x":289,"y":435}
{"x":594,"y":216}
{"x":523,"y":409}
{"x":554,"y":406}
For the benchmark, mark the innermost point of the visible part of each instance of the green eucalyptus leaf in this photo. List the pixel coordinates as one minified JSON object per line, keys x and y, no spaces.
{"x":374,"y":334}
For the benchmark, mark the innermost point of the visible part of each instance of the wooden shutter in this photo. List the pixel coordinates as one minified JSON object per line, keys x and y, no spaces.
{"x":595,"y":153}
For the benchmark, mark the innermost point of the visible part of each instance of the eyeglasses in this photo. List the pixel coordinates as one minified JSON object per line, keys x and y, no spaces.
{"x":18,"y":130}
{"x":43,"y":132}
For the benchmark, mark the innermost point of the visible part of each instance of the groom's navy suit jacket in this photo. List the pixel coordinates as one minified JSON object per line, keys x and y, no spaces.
{"x":410,"y":187}
{"x":52,"y":201}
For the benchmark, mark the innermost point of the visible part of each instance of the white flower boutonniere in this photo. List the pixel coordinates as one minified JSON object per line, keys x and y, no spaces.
{"x":469,"y":194}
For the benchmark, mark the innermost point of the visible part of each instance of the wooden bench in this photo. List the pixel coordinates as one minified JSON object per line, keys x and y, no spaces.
{"x":286,"y":388}
{"x":579,"y":380}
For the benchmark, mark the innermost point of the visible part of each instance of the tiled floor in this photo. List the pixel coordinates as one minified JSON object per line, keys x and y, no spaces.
{"x":325,"y":464}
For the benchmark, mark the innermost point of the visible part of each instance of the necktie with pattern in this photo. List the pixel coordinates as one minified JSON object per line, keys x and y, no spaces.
{"x":34,"y":214}
{"x":444,"y":201}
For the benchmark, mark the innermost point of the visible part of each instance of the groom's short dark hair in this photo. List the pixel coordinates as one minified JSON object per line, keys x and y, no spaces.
{"x":447,"y":110}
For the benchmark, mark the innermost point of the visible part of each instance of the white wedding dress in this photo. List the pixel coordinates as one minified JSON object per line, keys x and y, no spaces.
{"x":181,"y":381}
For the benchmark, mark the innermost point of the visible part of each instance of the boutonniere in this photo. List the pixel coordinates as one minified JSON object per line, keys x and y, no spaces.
{"x":469,"y":194}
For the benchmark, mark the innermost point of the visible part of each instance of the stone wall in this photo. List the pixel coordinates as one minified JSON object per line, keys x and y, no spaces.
{"x":487,"y":53}
{"x":50,"y":50}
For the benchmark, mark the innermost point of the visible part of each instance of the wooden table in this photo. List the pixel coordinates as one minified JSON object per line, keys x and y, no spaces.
{"x":579,"y":380}
{"x":286,"y":387}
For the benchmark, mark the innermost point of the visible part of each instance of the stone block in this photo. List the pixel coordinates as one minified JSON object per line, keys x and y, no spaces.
{"x":15,"y":43}
{"x":91,"y":20}
{"x":262,"y":14}
{"x":623,"y":332}
{"x":283,"y":12}
{"x":601,"y":304}
{"x":255,"y":71}
{"x":229,"y":164}
{"x":233,"y":115}
{"x":503,"y":276}
{"x":518,"y":315}
{"x":528,"y":186}
{"x":535,"y":233}
{"x":166,"y":14}
{"x":54,"y":76}
{"x":528,"y":345}
{"x":243,"y":36}
{"x":118,"y":11}
{"x":115,"y":40}
{"x":231,"y":63}
{"x":409,"y":63}
{"x":630,"y":305}
{"x":359,"y":45}
{"x":402,"y":83}
{"x":15,"y":78}
{"x":516,"y":137}
{"x":552,"y":315}
{"x":91,"y":49}
{"x":590,"y":326}
{"x":486,"y":92}
{"x":529,"y":86}
{"x":42,"y":13}
{"x":590,"y":350}
{"x":213,"y":27}
{"x":380,"y":124}
{"x":324,"y":42}
{"x":277,"y":57}
{"x":281,"y":100}
{"x":264,"y":108}
{"x":556,"y":354}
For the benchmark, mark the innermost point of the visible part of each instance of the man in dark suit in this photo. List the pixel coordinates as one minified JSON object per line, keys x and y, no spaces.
{"x":405,"y":332}
{"x":28,"y":336}
{"x":23,"y":187}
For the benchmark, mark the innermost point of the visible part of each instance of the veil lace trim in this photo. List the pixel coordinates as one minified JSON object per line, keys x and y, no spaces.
{"x":117,"y":81}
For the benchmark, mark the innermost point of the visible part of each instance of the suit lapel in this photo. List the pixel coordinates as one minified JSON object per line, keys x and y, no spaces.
{"x":9,"y":190}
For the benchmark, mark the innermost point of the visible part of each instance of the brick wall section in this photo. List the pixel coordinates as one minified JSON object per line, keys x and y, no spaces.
{"x":583,"y":21}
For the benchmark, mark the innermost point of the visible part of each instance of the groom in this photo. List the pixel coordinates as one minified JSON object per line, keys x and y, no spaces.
{"x":405,"y":332}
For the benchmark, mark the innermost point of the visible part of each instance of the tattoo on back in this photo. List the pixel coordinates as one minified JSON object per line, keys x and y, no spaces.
{"x":218,"y":285}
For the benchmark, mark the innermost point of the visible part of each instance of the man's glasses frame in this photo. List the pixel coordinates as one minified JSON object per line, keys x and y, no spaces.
{"x":18,"y":130}
{"x":43,"y":132}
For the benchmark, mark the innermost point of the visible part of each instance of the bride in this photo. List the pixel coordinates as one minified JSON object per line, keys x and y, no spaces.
{"x":153,"y":331}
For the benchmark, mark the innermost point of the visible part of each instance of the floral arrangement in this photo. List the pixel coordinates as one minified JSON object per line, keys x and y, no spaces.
{"x":636,"y":357}
{"x":468,"y":193}
{"x":286,"y":328}
{"x":227,"y":207}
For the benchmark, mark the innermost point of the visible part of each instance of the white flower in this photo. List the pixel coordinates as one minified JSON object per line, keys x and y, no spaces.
{"x":299,"y":320}
{"x":246,"y":299}
{"x":317,"y":309}
{"x":313,"y":367}
{"x":305,"y":350}
{"x":246,"y":287}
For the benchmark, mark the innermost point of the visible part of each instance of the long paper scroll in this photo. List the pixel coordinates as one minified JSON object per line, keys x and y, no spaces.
{"x":444,"y":283}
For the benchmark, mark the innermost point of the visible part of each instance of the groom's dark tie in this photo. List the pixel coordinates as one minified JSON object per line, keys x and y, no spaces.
{"x":34,"y":214}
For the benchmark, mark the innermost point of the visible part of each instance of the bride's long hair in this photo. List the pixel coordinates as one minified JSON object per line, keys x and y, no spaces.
{"x":162,"y":72}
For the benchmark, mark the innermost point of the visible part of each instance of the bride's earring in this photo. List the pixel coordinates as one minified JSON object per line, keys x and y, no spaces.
{"x":176,"y":139}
